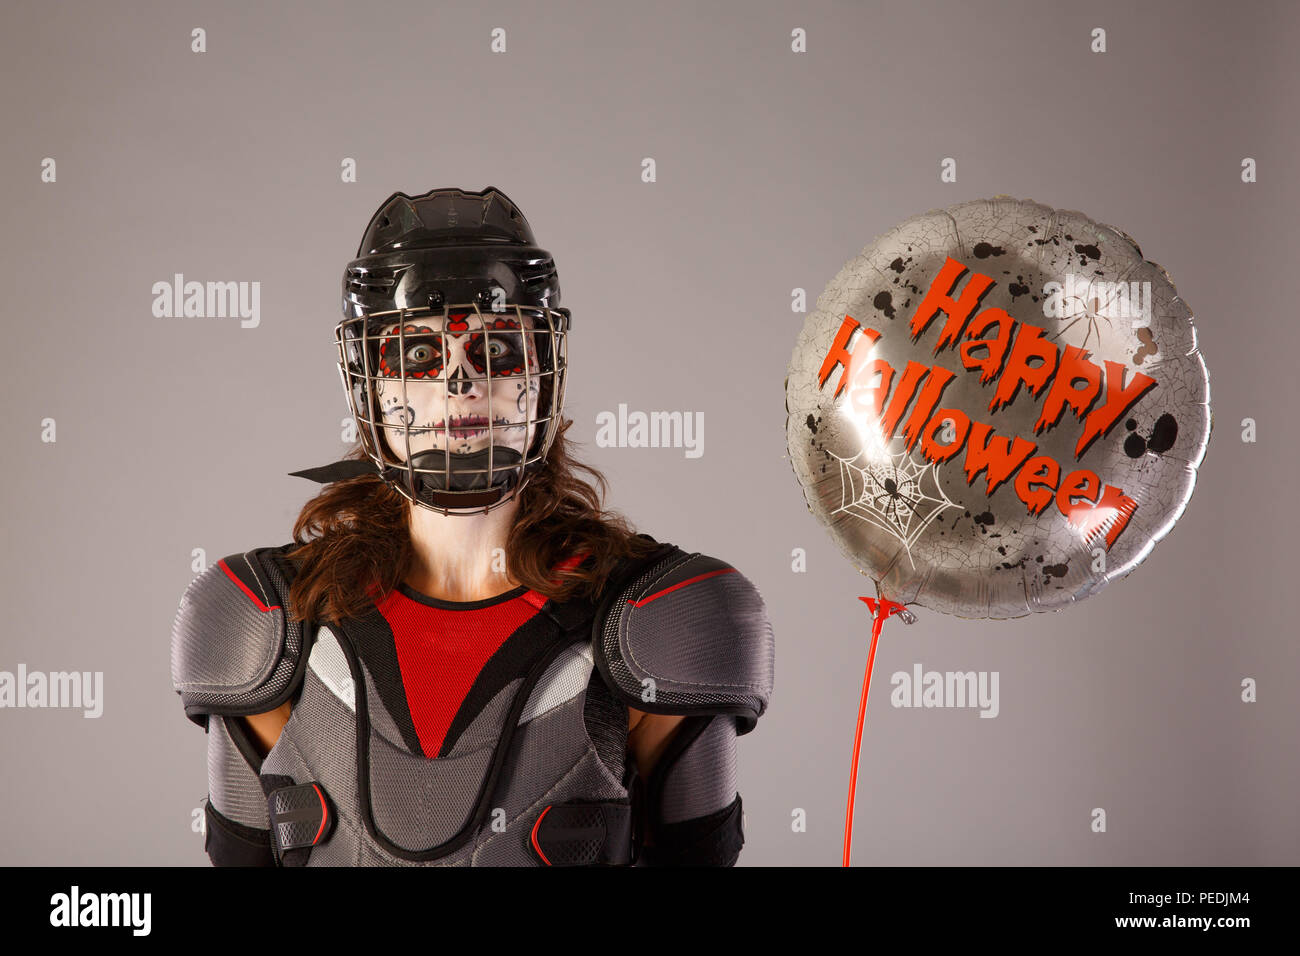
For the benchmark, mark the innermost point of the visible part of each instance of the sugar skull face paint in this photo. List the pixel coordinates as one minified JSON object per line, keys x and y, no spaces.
{"x":473,"y":385}
{"x":455,"y":404}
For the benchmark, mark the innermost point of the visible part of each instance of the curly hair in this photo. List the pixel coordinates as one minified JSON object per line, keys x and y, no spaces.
{"x":353,"y":539}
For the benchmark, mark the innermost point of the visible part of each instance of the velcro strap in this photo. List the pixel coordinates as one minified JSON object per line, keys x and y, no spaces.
{"x":712,"y":840}
{"x":584,"y":834}
{"x":300,"y":817}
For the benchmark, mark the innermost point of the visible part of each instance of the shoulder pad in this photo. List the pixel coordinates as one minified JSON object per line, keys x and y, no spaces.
{"x":690,"y":635}
{"x":234,"y":650}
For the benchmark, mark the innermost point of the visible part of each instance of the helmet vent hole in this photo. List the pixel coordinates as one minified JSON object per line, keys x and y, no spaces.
{"x":361,"y":280}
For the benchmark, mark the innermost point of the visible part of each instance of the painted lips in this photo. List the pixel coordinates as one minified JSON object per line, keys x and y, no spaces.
{"x":465,"y":426}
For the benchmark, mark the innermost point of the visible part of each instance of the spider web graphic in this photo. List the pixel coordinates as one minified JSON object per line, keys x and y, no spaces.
{"x":895,"y":494}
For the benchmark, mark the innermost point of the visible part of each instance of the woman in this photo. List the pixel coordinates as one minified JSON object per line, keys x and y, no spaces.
{"x":461,"y":659}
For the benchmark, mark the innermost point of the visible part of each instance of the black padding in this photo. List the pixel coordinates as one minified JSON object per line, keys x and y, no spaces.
{"x":584,"y":834}
{"x":232,"y":844}
{"x":713,"y":840}
{"x":302,"y":816}
{"x":274,"y":781}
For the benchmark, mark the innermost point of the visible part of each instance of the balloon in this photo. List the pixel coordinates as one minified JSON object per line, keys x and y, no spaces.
{"x":997,"y":408}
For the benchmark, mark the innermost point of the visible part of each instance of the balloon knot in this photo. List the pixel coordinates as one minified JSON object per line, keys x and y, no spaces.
{"x":884,"y":608}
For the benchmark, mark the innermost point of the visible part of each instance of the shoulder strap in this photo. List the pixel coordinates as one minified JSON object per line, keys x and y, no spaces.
{"x":578,"y":613}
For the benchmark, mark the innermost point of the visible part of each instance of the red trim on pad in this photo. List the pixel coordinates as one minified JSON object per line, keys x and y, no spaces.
{"x":324,"y":814}
{"x":244,"y":587}
{"x":699,"y":577}
{"x":534,"y":836}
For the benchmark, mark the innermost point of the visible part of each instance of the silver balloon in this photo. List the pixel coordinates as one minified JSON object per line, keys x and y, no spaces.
{"x":1061,"y":369}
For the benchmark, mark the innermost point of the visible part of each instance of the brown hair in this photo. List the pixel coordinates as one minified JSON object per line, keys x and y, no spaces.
{"x":361,"y":542}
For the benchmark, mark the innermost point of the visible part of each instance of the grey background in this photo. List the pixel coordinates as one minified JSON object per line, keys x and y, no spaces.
{"x":774,"y":169}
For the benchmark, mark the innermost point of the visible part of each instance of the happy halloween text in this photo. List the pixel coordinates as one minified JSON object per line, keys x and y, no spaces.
{"x":1070,"y":380}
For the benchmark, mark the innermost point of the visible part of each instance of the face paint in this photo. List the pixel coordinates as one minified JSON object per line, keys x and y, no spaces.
{"x":467,"y":387}
{"x":502,"y":349}
{"x":423,"y":352}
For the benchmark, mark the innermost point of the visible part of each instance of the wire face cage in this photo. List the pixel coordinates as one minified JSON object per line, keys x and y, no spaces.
{"x":457,"y":406}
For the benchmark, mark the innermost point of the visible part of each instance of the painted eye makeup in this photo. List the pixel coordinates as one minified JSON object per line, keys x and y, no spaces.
{"x":502,"y":349}
{"x":423,"y":356}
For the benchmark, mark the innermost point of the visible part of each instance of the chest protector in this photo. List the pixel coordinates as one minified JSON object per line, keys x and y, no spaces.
{"x":490,"y":733}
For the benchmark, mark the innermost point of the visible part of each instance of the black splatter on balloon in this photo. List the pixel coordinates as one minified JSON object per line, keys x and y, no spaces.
{"x":1163,"y":435}
{"x":983,"y":250}
{"x":885,"y":303}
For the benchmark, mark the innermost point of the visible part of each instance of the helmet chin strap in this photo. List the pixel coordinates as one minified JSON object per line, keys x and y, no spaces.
{"x":468,"y":472}
{"x":468,"y":477}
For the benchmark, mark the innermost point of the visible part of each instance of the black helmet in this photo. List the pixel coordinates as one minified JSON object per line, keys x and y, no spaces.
{"x":449,"y":246}
{"x":450,"y":290}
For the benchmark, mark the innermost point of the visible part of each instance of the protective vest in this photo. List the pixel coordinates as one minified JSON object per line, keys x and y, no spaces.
{"x":488,"y":733}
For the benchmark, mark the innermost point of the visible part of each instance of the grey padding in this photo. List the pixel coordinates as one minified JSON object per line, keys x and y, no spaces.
{"x":327,"y":662}
{"x":702,"y":779}
{"x":228,"y":655}
{"x":568,"y":747}
{"x":233,"y":786}
{"x":319,"y":743}
{"x":565,"y":678}
{"x":695,"y":631}
{"x":553,"y":761}
{"x":559,"y":765}
{"x":420,"y":803}
{"x":488,"y":724}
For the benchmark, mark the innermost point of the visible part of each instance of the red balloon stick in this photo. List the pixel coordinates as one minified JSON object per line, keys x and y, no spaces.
{"x":880,"y":610}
